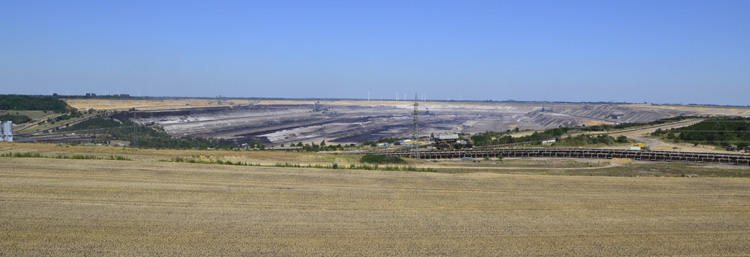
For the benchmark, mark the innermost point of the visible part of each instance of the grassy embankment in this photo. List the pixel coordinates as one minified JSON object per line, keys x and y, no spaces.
{"x":582,"y":167}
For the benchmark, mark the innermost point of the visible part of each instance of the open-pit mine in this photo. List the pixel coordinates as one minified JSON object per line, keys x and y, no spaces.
{"x":277,"y":122}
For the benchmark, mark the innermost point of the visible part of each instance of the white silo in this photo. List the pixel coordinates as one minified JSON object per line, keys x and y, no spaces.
{"x":8,"y":131}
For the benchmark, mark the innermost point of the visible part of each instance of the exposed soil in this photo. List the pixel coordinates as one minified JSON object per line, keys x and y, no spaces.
{"x":288,"y":121}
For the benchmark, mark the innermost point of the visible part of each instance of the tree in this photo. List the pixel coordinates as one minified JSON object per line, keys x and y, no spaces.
{"x":622,"y":139}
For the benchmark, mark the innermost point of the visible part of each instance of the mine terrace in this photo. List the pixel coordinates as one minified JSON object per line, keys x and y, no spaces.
{"x":277,"y":122}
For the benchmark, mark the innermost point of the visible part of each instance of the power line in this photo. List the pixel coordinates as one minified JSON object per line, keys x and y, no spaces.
{"x":415,"y":136}
{"x":135,"y":130}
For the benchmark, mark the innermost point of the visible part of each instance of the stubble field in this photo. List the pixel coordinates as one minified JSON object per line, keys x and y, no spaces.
{"x":57,"y":207}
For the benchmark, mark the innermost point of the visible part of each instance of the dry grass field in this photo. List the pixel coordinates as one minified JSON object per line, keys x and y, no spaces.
{"x":54,"y":207}
{"x":124,"y":104}
{"x":704,"y":110}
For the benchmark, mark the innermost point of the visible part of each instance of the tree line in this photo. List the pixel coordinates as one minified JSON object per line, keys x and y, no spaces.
{"x":605,"y":127}
{"x":33,"y":103}
{"x":716,"y":131}
{"x":499,"y":138}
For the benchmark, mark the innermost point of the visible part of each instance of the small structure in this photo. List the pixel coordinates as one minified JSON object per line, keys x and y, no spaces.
{"x":7,"y":131}
{"x":616,"y":115}
{"x":384,"y":144}
{"x":319,"y":107}
{"x":733,"y":148}
{"x":450,"y":142}
{"x":448,"y":137}
{"x":637,"y":147}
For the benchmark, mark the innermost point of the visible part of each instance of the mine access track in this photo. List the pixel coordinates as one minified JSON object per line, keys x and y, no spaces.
{"x":666,"y":156}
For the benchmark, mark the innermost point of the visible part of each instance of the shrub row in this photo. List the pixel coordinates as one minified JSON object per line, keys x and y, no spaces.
{"x":74,"y":157}
{"x":316,"y":166}
{"x":187,"y":160}
{"x":356,"y":167}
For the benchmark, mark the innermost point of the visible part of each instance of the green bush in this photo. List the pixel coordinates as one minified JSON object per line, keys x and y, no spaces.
{"x":714,"y":131}
{"x":17,"y":119}
{"x":94,"y":123}
{"x":25,"y":102}
{"x":381,"y":159}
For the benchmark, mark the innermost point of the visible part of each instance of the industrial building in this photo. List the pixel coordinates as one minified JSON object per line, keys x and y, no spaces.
{"x":616,"y":115}
{"x":450,"y":142}
{"x":6,"y":134}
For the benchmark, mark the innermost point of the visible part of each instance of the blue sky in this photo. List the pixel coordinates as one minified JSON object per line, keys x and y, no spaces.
{"x":632,"y":51}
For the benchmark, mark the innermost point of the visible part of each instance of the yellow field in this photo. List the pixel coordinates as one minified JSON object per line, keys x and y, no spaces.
{"x":155,"y":104}
{"x":703,"y":110}
{"x":53,"y":207}
{"x":124,"y":104}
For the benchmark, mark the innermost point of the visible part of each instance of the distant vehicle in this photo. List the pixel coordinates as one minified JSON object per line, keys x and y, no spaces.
{"x":637,"y":147}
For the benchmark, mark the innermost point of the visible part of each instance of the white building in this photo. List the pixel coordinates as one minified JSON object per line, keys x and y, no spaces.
{"x":448,"y":137}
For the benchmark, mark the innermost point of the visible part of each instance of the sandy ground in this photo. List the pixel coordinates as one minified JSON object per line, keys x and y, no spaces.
{"x":123,"y":104}
{"x":706,"y":110}
{"x":56,"y":207}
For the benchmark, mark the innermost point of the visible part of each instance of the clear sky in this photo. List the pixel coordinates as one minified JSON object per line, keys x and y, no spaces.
{"x":634,"y":51}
